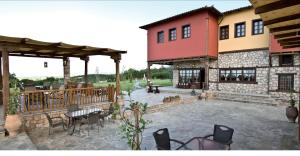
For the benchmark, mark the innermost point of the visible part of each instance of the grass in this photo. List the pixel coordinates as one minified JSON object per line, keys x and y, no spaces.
{"x":126,"y":85}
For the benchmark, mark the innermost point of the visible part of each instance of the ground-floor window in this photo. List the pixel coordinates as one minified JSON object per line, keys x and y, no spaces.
{"x":238,"y":75}
{"x":285,"y":82}
{"x":189,"y":75}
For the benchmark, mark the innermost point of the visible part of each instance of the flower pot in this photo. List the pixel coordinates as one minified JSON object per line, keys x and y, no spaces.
{"x":13,"y":124}
{"x":291,"y":113}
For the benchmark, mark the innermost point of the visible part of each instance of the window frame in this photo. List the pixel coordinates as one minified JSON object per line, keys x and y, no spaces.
{"x":235,"y":29}
{"x":292,"y":80}
{"x":163,"y":37}
{"x":170,"y":34}
{"x":220,"y":35}
{"x":242,"y":73}
{"x":253,"y":27}
{"x":280,"y":59}
{"x":182,"y":31}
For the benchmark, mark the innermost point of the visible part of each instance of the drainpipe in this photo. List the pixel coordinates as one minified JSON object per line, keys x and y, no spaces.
{"x":218,"y":71}
{"x":270,"y":65}
{"x":206,"y":50}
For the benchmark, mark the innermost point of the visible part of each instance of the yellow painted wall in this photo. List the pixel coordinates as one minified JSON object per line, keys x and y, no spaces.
{"x":249,"y":41}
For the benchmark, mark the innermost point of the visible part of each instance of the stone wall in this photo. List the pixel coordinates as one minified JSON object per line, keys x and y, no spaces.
{"x":38,"y":119}
{"x":258,"y":59}
{"x":283,"y":97}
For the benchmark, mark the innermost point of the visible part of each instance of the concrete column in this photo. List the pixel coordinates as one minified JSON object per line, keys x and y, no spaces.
{"x":5,"y":80}
{"x":66,"y":64}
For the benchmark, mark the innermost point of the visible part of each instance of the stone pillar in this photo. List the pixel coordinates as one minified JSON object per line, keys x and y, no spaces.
{"x":1,"y":98}
{"x":5,"y":80}
{"x":66,"y":64}
{"x":175,"y":77}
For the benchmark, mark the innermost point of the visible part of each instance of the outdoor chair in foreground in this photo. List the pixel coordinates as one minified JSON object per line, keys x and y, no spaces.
{"x":163,"y":140}
{"x":55,"y":122}
{"x":222,"y":134}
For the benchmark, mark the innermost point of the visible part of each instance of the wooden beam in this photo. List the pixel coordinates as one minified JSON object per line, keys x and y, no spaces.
{"x":118,"y":87}
{"x":284,"y":28}
{"x":17,"y":55}
{"x":38,"y":54}
{"x":282,"y":19}
{"x":1,"y":86}
{"x":289,"y":43}
{"x":5,"y":79}
{"x":291,"y":34}
{"x":292,"y":46}
{"x":290,"y":39}
{"x":276,"y":5}
{"x":86,"y":60}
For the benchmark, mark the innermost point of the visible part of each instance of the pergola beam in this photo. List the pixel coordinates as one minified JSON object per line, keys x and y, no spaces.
{"x":294,"y":39}
{"x":291,"y":34}
{"x":291,"y":46}
{"x":285,"y":28}
{"x":282,"y":19}
{"x":276,"y":5}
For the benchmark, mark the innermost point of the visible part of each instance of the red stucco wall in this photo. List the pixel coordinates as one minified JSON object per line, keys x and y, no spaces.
{"x":184,"y":48}
{"x":275,"y":47}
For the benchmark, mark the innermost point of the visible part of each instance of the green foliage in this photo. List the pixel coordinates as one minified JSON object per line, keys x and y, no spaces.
{"x":132,"y":129}
{"x":13,"y":100}
{"x":292,"y":100}
{"x":116,"y":111}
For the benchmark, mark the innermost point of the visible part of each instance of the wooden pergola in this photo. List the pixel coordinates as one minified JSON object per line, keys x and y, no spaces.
{"x":25,"y":47}
{"x":282,"y":17}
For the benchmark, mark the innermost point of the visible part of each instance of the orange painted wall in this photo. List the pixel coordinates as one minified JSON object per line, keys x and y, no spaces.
{"x":275,"y":47}
{"x":195,"y":46}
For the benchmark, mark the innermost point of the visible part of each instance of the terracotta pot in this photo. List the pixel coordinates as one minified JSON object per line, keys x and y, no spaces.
{"x":291,"y":113}
{"x":13,"y":124}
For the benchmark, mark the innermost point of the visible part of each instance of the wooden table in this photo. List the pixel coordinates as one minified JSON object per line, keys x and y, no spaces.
{"x":200,"y":143}
{"x":75,"y":116}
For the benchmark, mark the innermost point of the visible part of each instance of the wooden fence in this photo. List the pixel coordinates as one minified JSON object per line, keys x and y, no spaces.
{"x":50,"y":100}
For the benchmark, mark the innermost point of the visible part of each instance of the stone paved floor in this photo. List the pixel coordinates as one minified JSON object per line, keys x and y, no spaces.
{"x":21,"y":142}
{"x":257,"y":127}
{"x":1,"y":115}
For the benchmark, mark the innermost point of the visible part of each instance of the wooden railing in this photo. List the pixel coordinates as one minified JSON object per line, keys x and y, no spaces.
{"x":49,"y":100}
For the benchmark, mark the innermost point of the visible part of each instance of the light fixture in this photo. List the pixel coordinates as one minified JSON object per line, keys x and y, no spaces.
{"x":45,"y":64}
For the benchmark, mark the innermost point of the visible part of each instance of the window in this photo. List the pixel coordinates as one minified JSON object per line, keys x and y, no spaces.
{"x":186,"y":31}
{"x":172,"y":34}
{"x":257,"y":27}
{"x":238,"y":75}
{"x":160,"y":37}
{"x":286,"y":82}
{"x":224,"y":32}
{"x":240,"y":29}
{"x":286,"y":60}
{"x":189,"y":75}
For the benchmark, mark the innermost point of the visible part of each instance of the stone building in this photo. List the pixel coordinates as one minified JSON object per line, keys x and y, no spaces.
{"x":231,"y":54}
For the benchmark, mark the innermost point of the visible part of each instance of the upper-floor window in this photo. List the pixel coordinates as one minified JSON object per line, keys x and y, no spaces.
{"x":186,"y":31}
{"x":286,"y":60}
{"x":160,"y":37}
{"x":240,"y":29}
{"x":172,"y":34}
{"x":224,"y":32}
{"x":257,"y":27}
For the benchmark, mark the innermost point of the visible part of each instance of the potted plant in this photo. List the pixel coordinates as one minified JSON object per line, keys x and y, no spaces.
{"x":13,"y":121}
{"x":291,"y":110}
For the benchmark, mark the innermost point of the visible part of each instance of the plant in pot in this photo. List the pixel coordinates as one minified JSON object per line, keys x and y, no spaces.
{"x":291,"y":110}
{"x":13,"y":121}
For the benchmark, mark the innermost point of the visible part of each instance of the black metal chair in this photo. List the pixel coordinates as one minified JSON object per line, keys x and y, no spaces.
{"x":222,"y":134}
{"x":92,"y":119}
{"x":55,"y":122}
{"x":107,"y":113}
{"x":163,"y":140}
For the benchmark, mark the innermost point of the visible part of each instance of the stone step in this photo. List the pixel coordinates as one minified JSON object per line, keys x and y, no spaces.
{"x":264,"y":102}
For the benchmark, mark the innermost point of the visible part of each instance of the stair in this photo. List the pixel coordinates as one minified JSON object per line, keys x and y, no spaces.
{"x":247,"y":98}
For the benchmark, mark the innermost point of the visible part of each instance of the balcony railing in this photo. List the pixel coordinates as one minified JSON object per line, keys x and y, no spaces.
{"x":50,"y":100}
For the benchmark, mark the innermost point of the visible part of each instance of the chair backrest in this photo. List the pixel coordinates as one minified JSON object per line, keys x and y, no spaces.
{"x":49,"y":119}
{"x":222,"y":134}
{"x":73,"y":108}
{"x":162,"y":139}
{"x":93,"y":118}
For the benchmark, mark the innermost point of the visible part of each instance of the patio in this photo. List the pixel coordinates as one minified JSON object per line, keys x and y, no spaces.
{"x":258,"y":127}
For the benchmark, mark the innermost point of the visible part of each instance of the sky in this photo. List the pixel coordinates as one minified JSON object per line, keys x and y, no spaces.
{"x":107,"y":24}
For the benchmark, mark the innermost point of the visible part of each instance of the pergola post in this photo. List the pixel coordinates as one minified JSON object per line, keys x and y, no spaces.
{"x":66,"y":64}
{"x":86,"y":61}
{"x":5,"y":79}
{"x":149,"y":73}
{"x":117,"y":59}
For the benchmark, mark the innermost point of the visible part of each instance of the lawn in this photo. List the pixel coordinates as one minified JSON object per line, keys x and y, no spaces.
{"x":127,"y":85}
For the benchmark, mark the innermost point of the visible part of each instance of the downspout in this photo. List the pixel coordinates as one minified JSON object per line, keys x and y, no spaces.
{"x":218,"y":71}
{"x":270,"y":65}
{"x":206,"y":51}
